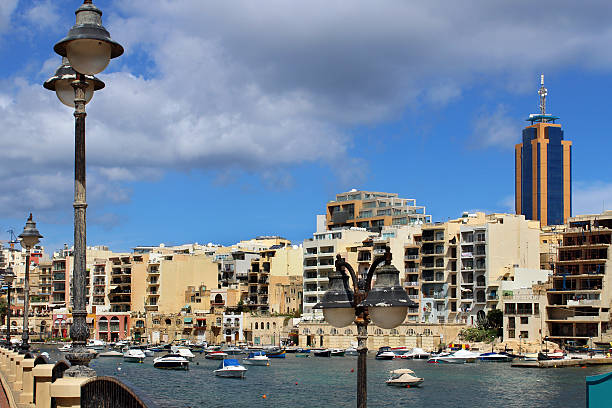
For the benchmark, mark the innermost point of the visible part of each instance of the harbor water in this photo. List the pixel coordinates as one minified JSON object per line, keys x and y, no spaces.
{"x":331,"y":382}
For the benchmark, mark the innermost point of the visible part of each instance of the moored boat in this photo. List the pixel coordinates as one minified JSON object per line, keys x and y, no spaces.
{"x":230,"y":368}
{"x":232,"y":351}
{"x":337,"y":352}
{"x":351,"y":351}
{"x":134,"y":356}
{"x":171,"y":362}
{"x":403,"y":377}
{"x":94,"y":344}
{"x":417,"y":354}
{"x":65,"y":347}
{"x":111,"y":353}
{"x":183,"y":352}
{"x":257,"y":358}
{"x":322,"y":353}
{"x":495,"y":357}
{"x":385,"y":353}
{"x":215,"y":355}
{"x":276,"y":353}
{"x":469,"y":356}
{"x":446,"y":358}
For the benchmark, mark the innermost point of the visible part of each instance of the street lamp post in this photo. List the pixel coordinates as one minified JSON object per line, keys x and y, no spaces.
{"x":88,"y":48}
{"x":9,"y":276}
{"x":385,"y":304}
{"x":29,"y":237}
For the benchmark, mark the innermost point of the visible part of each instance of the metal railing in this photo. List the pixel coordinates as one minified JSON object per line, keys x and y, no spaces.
{"x":107,"y":392}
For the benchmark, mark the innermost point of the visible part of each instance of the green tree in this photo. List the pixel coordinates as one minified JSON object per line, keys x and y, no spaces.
{"x":495,"y":319}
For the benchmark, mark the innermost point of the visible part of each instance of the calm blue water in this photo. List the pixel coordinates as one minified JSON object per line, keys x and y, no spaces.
{"x":329,"y":382}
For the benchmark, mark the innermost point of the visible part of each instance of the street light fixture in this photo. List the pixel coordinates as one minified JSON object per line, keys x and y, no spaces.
{"x":29,"y":237}
{"x":386,"y":304}
{"x":9,"y":276}
{"x":88,"y":48}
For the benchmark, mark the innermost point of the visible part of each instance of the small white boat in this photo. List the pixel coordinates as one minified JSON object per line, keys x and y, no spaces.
{"x":96,"y":344}
{"x":215,"y":355}
{"x":65,"y":347}
{"x":183,"y":352}
{"x":385,"y":353}
{"x":111,"y":353}
{"x":530,"y":357}
{"x":403,"y":377}
{"x":417,"y":354}
{"x":446,"y":358}
{"x":496,"y":357}
{"x":232,"y":351}
{"x":257,"y":358}
{"x":230,"y":368}
{"x":351,"y":351}
{"x":469,"y":356}
{"x":134,"y":356}
{"x":171,"y":362}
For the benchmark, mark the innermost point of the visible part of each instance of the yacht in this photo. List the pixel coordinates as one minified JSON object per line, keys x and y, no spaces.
{"x":230,"y":368}
{"x":183,"y":352}
{"x":446,"y":358}
{"x":257,"y":358}
{"x":385,"y":353}
{"x":469,"y":356}
{"x":96,"y":344}
{"x":417,"y":354}
{"x":403,"y":377}
{"x":134,"y":356}
{"x":497,"y":357}
{"x":171,"y":362}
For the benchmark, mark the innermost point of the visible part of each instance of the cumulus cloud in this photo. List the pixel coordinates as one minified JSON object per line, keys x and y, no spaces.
{"x":43,"y":15}
{"x":6,"y":9}
{"x":246,"y":86}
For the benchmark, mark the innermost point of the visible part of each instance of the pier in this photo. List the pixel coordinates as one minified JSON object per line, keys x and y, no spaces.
{"x":574,"y":362}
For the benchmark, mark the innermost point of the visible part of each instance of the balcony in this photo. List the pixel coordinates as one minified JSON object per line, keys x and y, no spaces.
{"x":411,"y":283}
{"x":411,"y":257}
{"x":411,"y":270}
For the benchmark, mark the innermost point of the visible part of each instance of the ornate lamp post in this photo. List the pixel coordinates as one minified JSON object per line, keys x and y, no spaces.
{"x":9,"y":276}
{"x":29,"y":237}
{"x":385,"y":304}
{"x":88,"y":48}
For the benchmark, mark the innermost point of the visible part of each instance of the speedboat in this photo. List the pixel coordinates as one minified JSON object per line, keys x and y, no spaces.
{"x":96,"y":344}
{"x":215,"y":355}
{"x":322,"y":353}
{"x":469,"y":356}
{"x":232,"y":351}
{"x":351,"y":351}
{"x":556,"y":355}
{"x":134,"y":356}
{"x":257,"y":358}
{"x":417,"y":354}
{"x":230,"y":368}
{"x":171,"y":362}
{"x":385,"y":353}
{"x":497,"y":357}
{"x":446,"y":358}
{"x":403,"y":377}
{"x":183,"y":352}
{"x":337,"y":352}
{"x":66,"y":347}
{"x":400,"y":352}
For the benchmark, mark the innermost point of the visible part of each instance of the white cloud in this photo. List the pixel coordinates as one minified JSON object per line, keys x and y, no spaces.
{"x":494,"y":129}
{"x":43,"y":15}
{"x":591,"y":197}
{"x":6,"y":9}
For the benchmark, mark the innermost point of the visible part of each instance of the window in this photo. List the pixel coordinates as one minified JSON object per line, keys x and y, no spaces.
{"x":524,"y":320}
{"x":536,"y":308}
{"x":524,"y":334}
{"x":156,"y":321}
{"x":523,"y":308}
{"x":427,"y":332}
{"x":168,"y":321}
{"x":268,"y":326}
{"x":378,"y":332}
{"x":511,"y":334}
{"x":394,"y":332}
{"x":320,"y":331}
{"x":410,"y":332}
{"x":306,"y":330}
{"x":256,"y":326}
{"x":511,"y":323}
{"x":334,"y":331}
{"x":348,"y":331}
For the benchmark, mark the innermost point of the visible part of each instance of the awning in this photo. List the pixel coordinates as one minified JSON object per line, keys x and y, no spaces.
{"x":188,"y":320}
{"x":113,"y":287}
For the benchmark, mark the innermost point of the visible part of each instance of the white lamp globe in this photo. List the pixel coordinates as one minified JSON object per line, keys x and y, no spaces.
{"x":388,"y":317}
{"x":65,"y":91}
{"x":339,"y":316}
{"x":88,"y":56}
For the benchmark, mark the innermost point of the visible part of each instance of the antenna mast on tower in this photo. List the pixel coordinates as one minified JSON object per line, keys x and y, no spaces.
{"x":542,"y":92}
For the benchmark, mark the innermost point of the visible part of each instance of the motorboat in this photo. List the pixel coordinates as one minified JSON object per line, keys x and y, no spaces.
{"x":469,"y":356}
{"x":291,"y":350}
{"x":400,"y":351}
{"x":183,"y":352}
{"x":385,"y":353}
{"x":351,"y":351}
{"x":232,"y":351}
{"x":216,"y":355}
{"x":111,"y":353}
{"x":556,"y":355}
{"x":337,"y":352}
{"x":276,"y":353}
{"x":171,"y":362}
{"x":230,"y":367}
{"x":96,"y":344}
{"x":403,"y":377}
{"x":417,"y":354}
{"x":257,"y":358}
{"x":302,"y":350}
{"x":134,"y":356}
{"x":530,"y":357}
{"x":322,"y":353}
{"x":66,"y":347}
{"x":446,"y":358}
{"x":496,"y":357}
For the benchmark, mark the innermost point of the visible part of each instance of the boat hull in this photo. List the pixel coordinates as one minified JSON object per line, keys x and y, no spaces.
{"x":256,"y":362}
{"x":396,"y":383}
{"x":171,"y":365}
{"x":230,"y":373}
{"x":133,"y":359}
{"x":323,"y":353}
{"x":276,"y":354}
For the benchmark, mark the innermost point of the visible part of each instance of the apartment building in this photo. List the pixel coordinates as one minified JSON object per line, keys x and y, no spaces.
{"x":234,"y":267}
{"x":319,"y":256}
{"x":579,"y":300}
{"x":491,"y":246}
{"x":373,"y":210}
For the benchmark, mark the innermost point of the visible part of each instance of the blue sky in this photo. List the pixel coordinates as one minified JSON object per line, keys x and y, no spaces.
{"x":227,"y":120}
